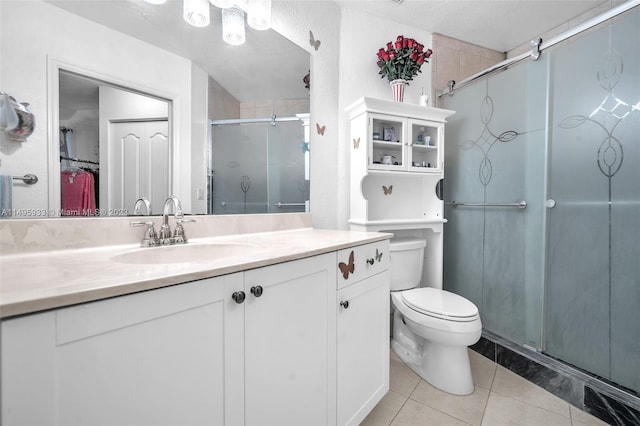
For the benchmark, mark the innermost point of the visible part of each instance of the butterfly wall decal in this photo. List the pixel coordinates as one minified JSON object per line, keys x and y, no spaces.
{"x":320,"y":130}
{"x":347,"y":268}
{"x":378,"y":255}
{"x":313,"y":42}
{"x":356,"y":143}
{"x":387,"y":190}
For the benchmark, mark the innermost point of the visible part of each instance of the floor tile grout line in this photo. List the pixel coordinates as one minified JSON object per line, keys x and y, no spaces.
{"x":486,"y":404}
{"x":534,"y":405}
{"x":438,"y":409}
{"x":442,"y":412}
{"x":570,"y":415}
{"x":401,"y":407}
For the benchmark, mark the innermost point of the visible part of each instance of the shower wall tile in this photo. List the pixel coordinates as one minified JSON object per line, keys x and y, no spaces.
{"x":267,"y":107}
{"x":456,"y":60}
{"x":222,"y":105}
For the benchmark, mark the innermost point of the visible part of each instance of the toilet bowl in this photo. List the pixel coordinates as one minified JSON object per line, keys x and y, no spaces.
{"x":431,"y":327}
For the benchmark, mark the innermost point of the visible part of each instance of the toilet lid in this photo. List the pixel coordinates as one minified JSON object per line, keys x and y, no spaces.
{"x":440,"y":303}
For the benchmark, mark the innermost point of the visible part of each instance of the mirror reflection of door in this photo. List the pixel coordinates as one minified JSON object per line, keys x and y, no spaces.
{"x":114,"y":148}
{"x":139,"y":163}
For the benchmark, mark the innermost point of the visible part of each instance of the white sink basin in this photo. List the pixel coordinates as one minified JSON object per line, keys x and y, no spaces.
{"x":187,"y":253}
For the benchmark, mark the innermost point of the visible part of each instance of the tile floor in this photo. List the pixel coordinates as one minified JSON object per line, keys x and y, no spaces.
{"x":500,"y":398}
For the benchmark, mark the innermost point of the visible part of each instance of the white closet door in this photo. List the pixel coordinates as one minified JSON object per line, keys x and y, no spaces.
{"x":138,"y":164}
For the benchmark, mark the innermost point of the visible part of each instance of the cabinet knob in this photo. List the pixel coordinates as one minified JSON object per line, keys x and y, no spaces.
{"x":345,"y":304}
{"x":371,"y":261}
{"x":257,"y":290}
{"x":238,"y":296}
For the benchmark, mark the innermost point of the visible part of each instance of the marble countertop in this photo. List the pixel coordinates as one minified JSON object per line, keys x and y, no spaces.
{"x":38,"y":281}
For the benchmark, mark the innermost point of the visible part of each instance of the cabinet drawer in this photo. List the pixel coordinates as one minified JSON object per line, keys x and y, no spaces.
{"x":360,"y":262}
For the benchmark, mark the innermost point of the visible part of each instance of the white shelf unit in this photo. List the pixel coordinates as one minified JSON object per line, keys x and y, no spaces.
{"x":397,"y":162}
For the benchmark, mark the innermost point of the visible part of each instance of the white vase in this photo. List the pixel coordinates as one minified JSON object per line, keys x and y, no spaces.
{"x":397,"y":89}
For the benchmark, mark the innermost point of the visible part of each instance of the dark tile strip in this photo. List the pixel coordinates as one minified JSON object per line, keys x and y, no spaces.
{"x":486,"y":348}
{"x":571,"y":389}
{"x":562,"y":386}
{"x":609,"y":410}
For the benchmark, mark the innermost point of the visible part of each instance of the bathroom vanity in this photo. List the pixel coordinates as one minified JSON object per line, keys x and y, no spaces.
{"x":295,"y":331}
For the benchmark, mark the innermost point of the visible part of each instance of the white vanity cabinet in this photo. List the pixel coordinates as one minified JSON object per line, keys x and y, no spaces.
{"x":283,"y":343}
{"x":150,"y":358}
{"x":255,"y":347}
{"x":362,"y":331}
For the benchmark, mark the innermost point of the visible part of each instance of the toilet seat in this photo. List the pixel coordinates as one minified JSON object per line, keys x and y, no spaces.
{"x":440,"y":304}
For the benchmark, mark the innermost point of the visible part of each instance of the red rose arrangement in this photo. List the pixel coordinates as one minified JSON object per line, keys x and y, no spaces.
{"x":402,"y":59}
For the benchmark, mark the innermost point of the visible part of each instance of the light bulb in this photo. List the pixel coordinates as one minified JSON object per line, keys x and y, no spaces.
{"x":196,"y":12}
{"x":233,"y":26}
{"x":259,"y":14}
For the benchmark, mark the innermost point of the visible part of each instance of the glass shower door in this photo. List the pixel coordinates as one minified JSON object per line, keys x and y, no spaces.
{"x":288,"y":187}
{"x":593,"y":267}
{"x":239,"y":167}
{"x":495,"y":153}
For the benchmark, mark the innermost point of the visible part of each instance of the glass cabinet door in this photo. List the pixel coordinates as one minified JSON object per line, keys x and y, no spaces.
{"x":425,"y":146}
{"x":387,"y":142}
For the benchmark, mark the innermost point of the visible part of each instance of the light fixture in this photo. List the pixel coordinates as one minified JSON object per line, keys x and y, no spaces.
{"x":259,"y":14}
{"x":196,"y":12}
{"x":222,"y":4}
{"x":233,"y":26}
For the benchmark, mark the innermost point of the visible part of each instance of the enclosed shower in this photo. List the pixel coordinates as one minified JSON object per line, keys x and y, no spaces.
{"x":259,"y":165}
{"x":542,"y":193}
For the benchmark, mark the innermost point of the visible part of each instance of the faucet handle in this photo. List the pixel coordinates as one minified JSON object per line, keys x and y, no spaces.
{"x":140,"y":223}
{"x":178,"y":234}
{"x":150,"y":238}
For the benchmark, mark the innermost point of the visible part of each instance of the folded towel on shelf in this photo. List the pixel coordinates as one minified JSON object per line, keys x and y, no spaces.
{"x":6,"y":195}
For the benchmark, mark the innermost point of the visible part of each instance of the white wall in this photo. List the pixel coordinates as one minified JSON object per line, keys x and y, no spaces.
{"x":361,"y":35}
{"x":32,"y":35}
{"x":342,"y":70}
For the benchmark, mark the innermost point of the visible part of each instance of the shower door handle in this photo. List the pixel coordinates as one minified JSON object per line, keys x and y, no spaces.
{"x":551,"y":203}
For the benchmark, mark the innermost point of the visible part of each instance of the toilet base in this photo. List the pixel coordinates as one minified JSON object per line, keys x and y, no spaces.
{"x":445,"y":367}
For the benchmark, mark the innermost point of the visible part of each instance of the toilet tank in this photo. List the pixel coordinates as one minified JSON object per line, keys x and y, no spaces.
{"x":407,"y":258}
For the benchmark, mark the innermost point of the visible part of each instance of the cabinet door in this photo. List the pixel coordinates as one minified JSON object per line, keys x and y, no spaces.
{"x":425,"y":141}
{"x":288,"y":343}
{"x":363,"y":347}
{"x":151,"y":358}
{"x":388,"y":142}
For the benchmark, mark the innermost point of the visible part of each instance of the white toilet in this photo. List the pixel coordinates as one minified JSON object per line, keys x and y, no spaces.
{"x":431,"y":327}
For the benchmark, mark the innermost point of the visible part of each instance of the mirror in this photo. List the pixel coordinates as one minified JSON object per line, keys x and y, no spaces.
{"x":114,"y":148}
{"x":142,"y":49}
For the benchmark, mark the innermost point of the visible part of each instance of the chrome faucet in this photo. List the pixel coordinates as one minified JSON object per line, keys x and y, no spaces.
{"x":178,"y":237}
{"x":164,"y":237}
{"x":165,"y":229}
{"x":137,"y":208}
